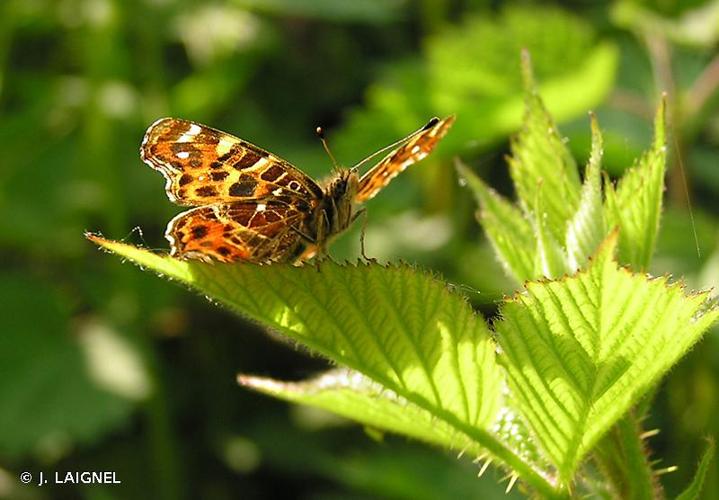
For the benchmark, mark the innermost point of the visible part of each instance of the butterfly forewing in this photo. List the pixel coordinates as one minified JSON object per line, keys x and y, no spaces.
{"x":204,"y":166}
{"x":413,"y":150}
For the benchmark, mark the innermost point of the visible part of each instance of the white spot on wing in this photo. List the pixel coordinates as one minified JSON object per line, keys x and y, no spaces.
{"x":224,"y":146}
{"x":190,"y":134}
{"x":277,"y":191}
{"x":260,"y":207}
{"x":183,"y":154}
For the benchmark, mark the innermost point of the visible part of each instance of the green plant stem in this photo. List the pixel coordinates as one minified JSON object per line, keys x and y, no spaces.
{"x":622,"y":458}
{"x":704,"y":87}
{"x":661,"y":58}
{"x":631,"y":102}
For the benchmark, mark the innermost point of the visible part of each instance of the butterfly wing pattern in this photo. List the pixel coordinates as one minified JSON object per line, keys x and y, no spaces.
{"x":417,"y":147}
{"x":247,"y":198}
{"x":253,"y":206}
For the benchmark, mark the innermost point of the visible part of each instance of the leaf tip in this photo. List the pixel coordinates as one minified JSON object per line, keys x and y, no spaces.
{"x":99,"y":240}
{"x":466,"y":175}
{"x":594,"y":123}
{"x":597,"y":140}
{"x":660,"y":122}
{"x":251,"y":381}
{"x":527,"y":72}
{"x":94,"y":237}
{"x":261,"y":384}
{"x":607,"y":248}
{"x":460,"y":166}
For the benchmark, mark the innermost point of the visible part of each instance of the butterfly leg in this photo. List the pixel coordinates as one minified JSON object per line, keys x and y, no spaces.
{"x":363,"y":213}
{"x":307,"y":250}
{"x":323,"y":229}
{"x":314,"y":247}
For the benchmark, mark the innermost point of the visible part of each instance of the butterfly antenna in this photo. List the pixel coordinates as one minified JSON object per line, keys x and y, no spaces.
{"x":321,"y":134}
{"x":434,"y":121}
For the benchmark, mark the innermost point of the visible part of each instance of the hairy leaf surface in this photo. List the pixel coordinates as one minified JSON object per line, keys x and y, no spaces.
{"x":398,"y":326}
{"x":581,"y":350}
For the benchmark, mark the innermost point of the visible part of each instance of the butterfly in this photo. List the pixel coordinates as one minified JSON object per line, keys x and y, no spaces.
{"x":250,"y":205}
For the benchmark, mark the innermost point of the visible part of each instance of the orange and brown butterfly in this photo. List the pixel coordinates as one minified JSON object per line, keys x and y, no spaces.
{"x":254,"y":206}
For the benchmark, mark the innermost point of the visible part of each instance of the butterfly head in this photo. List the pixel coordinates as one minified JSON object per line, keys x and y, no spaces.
{"x":342,"y":185}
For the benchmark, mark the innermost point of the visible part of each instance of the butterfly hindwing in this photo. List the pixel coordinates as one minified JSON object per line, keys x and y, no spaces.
{"x":236,"y":231}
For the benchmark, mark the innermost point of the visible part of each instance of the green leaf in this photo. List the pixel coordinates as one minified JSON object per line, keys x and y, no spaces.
{"x":486,"y":97}
{"x":371,"y":11}
{"x":398,"y":326}
{"x":508,"y":231}
{"x":50,"y":399}
{"x":695,"y":25}
{"x":635,"y":205}
{"x":542,"y":168}
{"x":580,"y":351}
{"x":586,"y":229}
{"x":356,"y":397}
{"x":551,"y":259}
{"x":694,"y":489}
{"x":568,"y":220}
{"x":352,"y":395}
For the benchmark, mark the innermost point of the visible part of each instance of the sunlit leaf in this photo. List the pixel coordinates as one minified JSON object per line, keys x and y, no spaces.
{"x":635,"y":205}
{"x":586,"y":229}
{"x":509,"y":232}
{"x":580,"y":351}
{"x":396,"y":325}
{"x":356,"y":397}
{"x":551,"y":259}
{"x":542,"y":168}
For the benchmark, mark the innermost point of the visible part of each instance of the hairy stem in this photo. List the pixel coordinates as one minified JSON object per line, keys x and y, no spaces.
{"x":623,"y":459}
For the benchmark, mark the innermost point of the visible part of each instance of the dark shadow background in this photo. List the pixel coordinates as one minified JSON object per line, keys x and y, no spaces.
{"x":104,"y":367}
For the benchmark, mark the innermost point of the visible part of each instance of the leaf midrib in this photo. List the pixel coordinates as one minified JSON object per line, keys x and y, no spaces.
{"x":407,"y":334}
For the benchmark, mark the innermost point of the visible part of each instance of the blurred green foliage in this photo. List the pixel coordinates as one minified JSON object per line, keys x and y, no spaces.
{"x":106,"y":368}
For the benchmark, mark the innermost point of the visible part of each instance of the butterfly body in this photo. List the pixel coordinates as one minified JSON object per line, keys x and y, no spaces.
{"x":250,"y":204}
{"x":335,"y":212}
